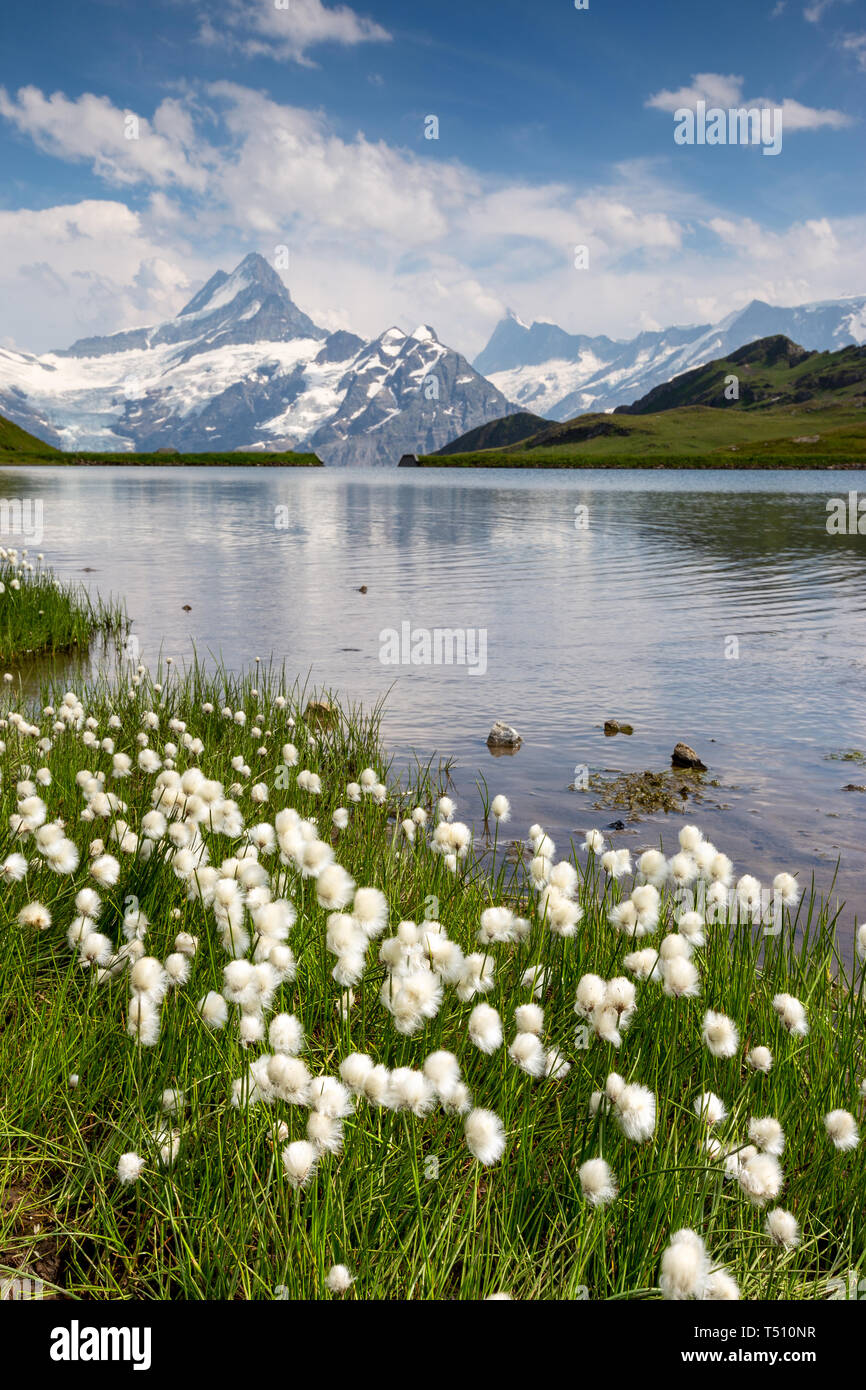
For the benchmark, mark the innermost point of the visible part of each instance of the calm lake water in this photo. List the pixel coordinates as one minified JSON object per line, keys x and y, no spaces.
{"x":709,"y":607}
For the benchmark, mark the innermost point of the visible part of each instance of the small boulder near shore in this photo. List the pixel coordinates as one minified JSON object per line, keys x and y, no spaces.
{"x":320,"y":712}
{"x":684,"y":756}
{"x":503,"y":736}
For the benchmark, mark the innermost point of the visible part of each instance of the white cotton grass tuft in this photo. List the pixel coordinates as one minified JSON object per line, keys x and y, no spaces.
{"x":783,"y":1228}
{"x":286,"y":1034}
{"x":527,"y":1052}
{"x":792,"y":1014}
{"x":338,"y":1279}
{"x":685,"y":1267}
{"x":597,"y":1182}
{"x":529,"y":1018}
{"x":761,"y":1178}
{"x":485,"y":1028}
{"x":485,"y":1136}
{"x":299,"y":1162}
{"x":334,"y":887}
{"x":106,"y":870}
{"x":786,"y":888}
{"x":720,"y":1034}
{"x":370,"y":911}
{"x":680,"y":977}
{"x":634,"y":1110}
{"x":721,"y":1286}
{"x":501,"y":808}
{"x":442,"y":1070}
{"x":710,"y":1108}
{"x":130,"y":1167}
{"x":35,"y":915}
{"x":213,"y":1010}
{"x":842,"y":1129}
{"x":760,"y":1059}
{"x":767,"y":1135}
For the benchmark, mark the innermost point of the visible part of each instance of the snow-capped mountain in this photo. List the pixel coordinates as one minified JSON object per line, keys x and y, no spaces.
{"x":242,"y":367}
{"x":560,"y":375}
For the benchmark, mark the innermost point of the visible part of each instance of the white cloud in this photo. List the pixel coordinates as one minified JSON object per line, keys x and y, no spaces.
{"x":122,"y":146}
{"x":814,"y":13}
{"x":710,"y":87}
{"x":90,"y":267}
{"x":380,"y":235}
{"x":726,"y":92}
{"x":262,"y":28}
{"x":856,"y":44}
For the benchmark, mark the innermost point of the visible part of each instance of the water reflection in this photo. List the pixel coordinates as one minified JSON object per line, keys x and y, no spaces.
{"x":633,"y":616}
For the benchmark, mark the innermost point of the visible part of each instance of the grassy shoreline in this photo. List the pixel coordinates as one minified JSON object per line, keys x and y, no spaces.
{"x":223,"y":459}
{"x":40,"y":616}
{"x":394,"y":1189}
{"x":552,"y":459}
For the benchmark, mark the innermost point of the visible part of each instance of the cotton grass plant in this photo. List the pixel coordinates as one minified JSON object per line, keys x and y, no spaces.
{"x":39,"y":614}
{"x":277,"y":1024}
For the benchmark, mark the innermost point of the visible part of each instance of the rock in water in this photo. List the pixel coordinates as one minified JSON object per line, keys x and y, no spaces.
{"x":684,"y":756}
{"x":613,"y":726}
{"x":503,"y":736}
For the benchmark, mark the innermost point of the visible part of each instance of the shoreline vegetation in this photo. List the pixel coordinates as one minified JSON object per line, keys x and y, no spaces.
{"x":277,"y":1024}
{"x":553,"y":459}
{"x":40,"y":616}
{"x":168,"y":459}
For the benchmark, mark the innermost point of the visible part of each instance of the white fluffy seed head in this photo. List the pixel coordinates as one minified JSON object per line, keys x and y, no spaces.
{"x":485,"y":1028}
{"x":485,"y":1137}
{"x":783,"y":1228}
{"x":299,"y":1161}
{"x":529,"y":1018}
{"x":286,"y":1034}
{"x":597,"y":1182}
{"x":842,"y":1129}
{"x":338,"y":1279}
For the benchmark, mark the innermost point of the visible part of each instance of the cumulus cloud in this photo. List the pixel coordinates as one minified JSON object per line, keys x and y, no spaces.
{"x":90,"y":267}
{"x":726,"y":92}
{"x":379,"y":234}
{"x":286,"y":30}
{"x":121,"y":145}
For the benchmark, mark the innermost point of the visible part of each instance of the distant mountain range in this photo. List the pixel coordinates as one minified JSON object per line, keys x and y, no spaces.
{"x":559,"y":375}
{"x":243,"y":367}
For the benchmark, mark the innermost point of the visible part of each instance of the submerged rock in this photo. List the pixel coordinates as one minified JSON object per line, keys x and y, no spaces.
{"x":503,"y":736}
{"x":684,"y":756}
{"x":613,"y":726}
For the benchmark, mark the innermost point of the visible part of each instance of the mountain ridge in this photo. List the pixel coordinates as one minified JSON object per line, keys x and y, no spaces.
{"x":600,"y":373}
{"x":241,"y":367}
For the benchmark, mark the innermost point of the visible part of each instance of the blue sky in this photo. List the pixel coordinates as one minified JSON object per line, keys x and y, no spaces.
{"x":303,"y":126}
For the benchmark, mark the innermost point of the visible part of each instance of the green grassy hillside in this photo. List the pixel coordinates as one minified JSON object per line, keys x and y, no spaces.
{"x":20,"y":446}
{"x":791,"y":409}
